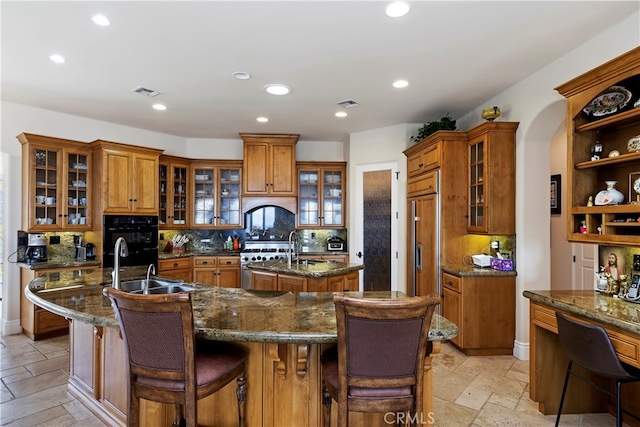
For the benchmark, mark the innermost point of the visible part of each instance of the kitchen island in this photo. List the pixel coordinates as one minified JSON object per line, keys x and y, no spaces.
{"x":284,"y":333}
{"x":548,"y":362}
{"x":305,"y":275}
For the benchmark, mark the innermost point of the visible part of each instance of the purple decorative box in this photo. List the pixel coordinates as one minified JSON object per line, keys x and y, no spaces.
{"x":501,"y":264}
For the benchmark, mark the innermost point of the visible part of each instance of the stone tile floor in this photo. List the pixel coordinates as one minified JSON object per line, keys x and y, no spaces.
{"x":468,"y":391}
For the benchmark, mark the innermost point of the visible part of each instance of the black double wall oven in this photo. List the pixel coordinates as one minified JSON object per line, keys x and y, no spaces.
{"x":141,"y":235}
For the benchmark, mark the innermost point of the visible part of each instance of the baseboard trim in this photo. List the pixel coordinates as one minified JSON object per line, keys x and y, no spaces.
{"x":10,"y":327}
{"x":521,"y":350}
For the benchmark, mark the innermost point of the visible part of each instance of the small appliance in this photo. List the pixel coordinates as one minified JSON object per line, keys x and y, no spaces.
{"x":335,"y":243}
{"x":85,"y":251}
{"x":36,"y":248}
{"x":481,"y":260}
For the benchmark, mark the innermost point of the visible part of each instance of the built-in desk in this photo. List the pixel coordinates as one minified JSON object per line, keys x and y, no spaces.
{"x":548,"y":362}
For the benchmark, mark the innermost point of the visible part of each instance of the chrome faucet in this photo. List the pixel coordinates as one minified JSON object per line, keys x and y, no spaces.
{"x":119,"y":250}
{"x":294,"y":243}
{"x":151,"y":270}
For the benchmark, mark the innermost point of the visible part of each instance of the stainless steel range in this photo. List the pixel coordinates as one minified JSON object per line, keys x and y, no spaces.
{"x":259,"y":250}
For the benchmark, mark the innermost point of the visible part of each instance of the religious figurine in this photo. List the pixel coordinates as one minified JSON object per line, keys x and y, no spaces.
{"x":624,"y":286}
{"x":590,"y":202}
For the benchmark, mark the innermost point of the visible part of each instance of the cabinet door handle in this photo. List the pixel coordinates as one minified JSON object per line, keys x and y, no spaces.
{"x":205,"y":262}
{"x":228,"y":262}
{"x":175,"y":264}
{"x":421,"y":165}
{"x":450,"y":283}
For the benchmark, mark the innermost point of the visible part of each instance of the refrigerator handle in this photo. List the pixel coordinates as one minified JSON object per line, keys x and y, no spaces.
{"x":419,"y":257}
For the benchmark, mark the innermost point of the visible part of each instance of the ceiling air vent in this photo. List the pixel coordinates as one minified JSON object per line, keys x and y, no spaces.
{"x":348,"y":103}
{"x":144,"y":91}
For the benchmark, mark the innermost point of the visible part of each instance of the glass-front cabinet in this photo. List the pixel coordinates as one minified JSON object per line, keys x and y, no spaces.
{"x":321,"y":194}
{"x":56,"y":183}
{"x":173,"y":192}
{"x":476,"y":185}
{"x":216,"y":195}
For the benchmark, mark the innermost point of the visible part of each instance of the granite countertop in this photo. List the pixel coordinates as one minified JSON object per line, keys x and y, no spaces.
{"x":219,"y":313}
{"x":59,"y":263}
{"x":215,"y":252}
{"x":471,"y":270}
{"x":302,"y":268}
{"x":592,"y":305}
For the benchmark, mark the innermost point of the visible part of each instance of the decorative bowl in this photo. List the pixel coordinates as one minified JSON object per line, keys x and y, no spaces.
{"x":633,"y":145}
{"x":490,"y":113}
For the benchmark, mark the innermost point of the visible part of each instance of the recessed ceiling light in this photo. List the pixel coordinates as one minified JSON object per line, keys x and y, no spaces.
{"x":400,"y":84}
{"x":277,"y":89}
{"x":159,"y":107}
{"x":57,"y":58}
{"x":397,"y":9}
{"x":241,"y":75}
{"x":262,"y":119}
{"x":100,"y":20}
{"x":341,"y":114}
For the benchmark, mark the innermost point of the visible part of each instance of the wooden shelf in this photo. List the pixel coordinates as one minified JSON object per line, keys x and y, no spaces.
{"x":607,"y":161}
{"x":621,"y":119}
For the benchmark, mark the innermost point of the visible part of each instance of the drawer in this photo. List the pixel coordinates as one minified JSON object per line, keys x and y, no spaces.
{"x":170,"y":264}
{"x":224,"y":261}
{"x":46,"y":321}
{"x":451,"y":282}
{"x":424,"y":184}
{"x":205,"y":261}
{"x":544,"y":317}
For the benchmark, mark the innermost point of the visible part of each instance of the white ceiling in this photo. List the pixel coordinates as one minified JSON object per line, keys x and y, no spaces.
{"x":454,"y":54}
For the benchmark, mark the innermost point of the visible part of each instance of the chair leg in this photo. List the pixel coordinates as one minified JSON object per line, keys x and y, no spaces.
{"x":133,"y":418}
{"x":241,"y":394}
{"x":179,"y":421}
{"x":618,"y":404}
{"x":326,"y":404}
{"x":564,"y":391}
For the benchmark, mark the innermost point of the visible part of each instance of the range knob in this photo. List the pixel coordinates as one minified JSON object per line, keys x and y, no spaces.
{"x":245,"y":258}
{"x":259,"y":257}
{"x":270,"y":258}
{"x":253,"y":258}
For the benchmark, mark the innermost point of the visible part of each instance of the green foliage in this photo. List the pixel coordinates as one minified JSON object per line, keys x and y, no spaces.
{"x":445,"y":123}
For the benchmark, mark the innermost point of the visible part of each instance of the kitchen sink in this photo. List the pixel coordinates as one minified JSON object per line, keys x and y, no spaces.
{"x":156,"y":286}
{"x":312,"y":261}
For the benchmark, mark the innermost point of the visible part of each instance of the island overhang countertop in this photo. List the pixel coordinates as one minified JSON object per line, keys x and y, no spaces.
{"x":219,"y":313}
{"x":307,"y":268}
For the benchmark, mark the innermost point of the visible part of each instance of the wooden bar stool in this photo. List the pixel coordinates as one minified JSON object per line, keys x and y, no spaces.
{"x":378,"y":365}
{"x":166,"y":363}
{"x":590,"y":347}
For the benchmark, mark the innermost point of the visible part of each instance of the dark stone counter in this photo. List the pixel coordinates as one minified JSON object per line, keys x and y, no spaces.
{"x":302,"y":268}
{"x":219,"y":313}
{"x":472,"y":270}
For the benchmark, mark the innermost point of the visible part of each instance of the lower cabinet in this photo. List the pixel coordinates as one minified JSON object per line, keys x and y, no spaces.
{"x":265,"y":281}
{"x":177,"y":268}
{"x":223,"y":271}
{"x":483,"y":308}
{"x":38,"y":323}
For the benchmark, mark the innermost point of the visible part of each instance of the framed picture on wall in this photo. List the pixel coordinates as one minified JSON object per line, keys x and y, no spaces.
{"x":556,"y":192}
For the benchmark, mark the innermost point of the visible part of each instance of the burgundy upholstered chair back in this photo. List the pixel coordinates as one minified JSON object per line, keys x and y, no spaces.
{"x":383,"y":341}
{"x":158,"y":333}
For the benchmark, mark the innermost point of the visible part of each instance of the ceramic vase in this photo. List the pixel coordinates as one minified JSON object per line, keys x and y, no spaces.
{"x":610,"y":196}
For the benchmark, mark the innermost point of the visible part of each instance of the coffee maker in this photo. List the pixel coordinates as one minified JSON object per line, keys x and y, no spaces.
{"x":36,"y":248}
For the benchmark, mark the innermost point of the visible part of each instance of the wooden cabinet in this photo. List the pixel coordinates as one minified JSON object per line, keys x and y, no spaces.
{"x":221,"y":271}
{"x":84,"y":348}
{"x":126,"y":178}
{"x":492,"y":178}
{"x":56,"y":184}
{"x":216,"y":194}
{"x":484,"y":309}
{"x":173,"y":195}
{"x":177,"y":268}
{"x":436,"y":208}
{"x":36,"y":322}
{"x":269,"y":164}
{"x":321,"y":194}
{"x":603,"y":224}
{"x":266,"y":281}
{"x":423,"y":160}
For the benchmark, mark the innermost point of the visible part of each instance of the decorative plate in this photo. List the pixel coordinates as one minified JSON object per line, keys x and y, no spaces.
{"x":636,"y":185}
{"x":609,"y":101}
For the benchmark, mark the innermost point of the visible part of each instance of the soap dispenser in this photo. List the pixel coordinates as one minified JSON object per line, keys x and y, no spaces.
{"x":229,"y":245}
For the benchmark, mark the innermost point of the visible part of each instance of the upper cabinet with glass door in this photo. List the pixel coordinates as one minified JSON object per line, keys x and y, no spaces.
{"x":173,"y":192}
{"x":492,"y":178}
{"x":56,"y":182}
{"x":321,"y":195}
{"x":216,"y":194}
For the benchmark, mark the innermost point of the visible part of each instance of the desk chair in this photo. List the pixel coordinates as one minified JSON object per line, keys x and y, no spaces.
{"x":166,"y":363}
{"x":590,"y":347}
{"x":378,"y":364}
